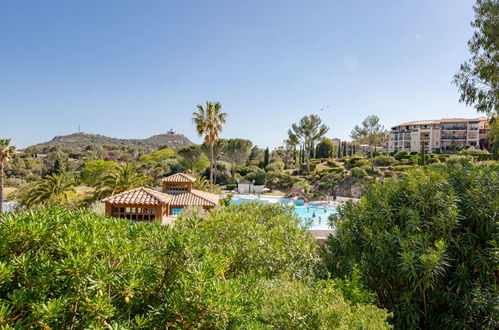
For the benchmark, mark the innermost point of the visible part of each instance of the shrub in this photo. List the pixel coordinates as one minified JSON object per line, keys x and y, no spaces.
{"x":427,"y":245}
{"x":258,"y":176}
{"x":275,"y":167}
{"x":358,"y":172}
{"x":231,"y":186}
{"x":332,"y":163}
{"x":239,"y":267}
{"x":455,"y":159}
{"x":402,"y":154}
{"x":359,"y":163}
{"x":478,"y":154}
{"x":384,"y":160}
{"x":402,"y":168}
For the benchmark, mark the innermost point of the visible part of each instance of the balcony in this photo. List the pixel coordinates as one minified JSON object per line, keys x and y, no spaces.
{"x":454,"y":137}
{"x":454,"y":128}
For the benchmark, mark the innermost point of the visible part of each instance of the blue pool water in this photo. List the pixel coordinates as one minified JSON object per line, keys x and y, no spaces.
{"x":314,"y":216}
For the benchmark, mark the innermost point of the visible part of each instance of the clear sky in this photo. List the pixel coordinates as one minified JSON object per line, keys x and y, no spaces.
{"x":132,"y":69}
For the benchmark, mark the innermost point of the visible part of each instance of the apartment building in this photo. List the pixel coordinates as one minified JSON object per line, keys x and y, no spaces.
{"x":438,"y":134}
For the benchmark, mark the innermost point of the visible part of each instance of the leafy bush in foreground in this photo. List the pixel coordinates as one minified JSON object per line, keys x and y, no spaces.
{"x":239,"y":267}
{"x":426,"y":245}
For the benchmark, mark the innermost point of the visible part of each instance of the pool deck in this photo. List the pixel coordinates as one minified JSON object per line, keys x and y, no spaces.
{"x":321,"y":235}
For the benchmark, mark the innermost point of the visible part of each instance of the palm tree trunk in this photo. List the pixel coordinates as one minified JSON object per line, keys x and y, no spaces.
{"x":211,"y":168}
{"x":1,"y":190}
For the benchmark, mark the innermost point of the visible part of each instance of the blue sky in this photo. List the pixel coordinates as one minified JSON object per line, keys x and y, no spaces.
{"x":132,"y":69}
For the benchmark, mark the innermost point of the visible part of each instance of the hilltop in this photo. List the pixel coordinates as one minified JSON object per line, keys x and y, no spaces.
{"x":82,"y":140}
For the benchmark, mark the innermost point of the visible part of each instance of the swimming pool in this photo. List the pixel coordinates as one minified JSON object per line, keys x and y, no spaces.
{"x":313,"y":215}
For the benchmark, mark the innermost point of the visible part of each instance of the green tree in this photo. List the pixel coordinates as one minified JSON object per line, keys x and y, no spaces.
{"x":191,"y":155}
{"x":266,"y":157}
{"x":120,"y":178}
{"x":208,"y":121}
{"x":325,"y":148}
{"x":308,"y":131}
{"x":238,"y":152}
{"x":54,"y":189}
{"x":6,"y":153}
{"x":426,"y":244}
{"x":478,"y":78}
{"x":370,"y":132}
{"x":95,"y":171}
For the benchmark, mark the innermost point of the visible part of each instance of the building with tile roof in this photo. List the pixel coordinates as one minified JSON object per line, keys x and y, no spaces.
{"x":440,"y":134}
{"x":143,"y":204}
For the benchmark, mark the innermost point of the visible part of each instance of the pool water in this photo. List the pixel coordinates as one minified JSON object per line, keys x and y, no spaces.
{"x":314,"y":216}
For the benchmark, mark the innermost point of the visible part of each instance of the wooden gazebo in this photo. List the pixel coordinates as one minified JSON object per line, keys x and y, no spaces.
{"x":143,"y":204}
{"x":178,"y":182}
{"x":139,"y":204}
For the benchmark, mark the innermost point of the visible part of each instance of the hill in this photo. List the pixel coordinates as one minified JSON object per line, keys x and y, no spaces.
{"x":82,"y":140}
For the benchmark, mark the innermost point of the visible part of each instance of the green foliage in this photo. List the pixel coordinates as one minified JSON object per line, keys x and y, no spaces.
{"x":402,"y":154}
{"x":426,"y":245}
{"x":308,"y":131}
{"x":478,"y":79}
{"x":55,"y":189}
{"x":275,"y":167}
{"x":259,"y":176}
{"x":478,"y":154}
{"x":324,"y":149}
{"x":383,"y":160}
{"x":358,"y":172}
{"x":402,"y":168}
{"x":158,"y":156}
{"x":95,"y":171}
{"x":119,"y":179}
{"x":332,"y":163}
{"x":249,"y":267}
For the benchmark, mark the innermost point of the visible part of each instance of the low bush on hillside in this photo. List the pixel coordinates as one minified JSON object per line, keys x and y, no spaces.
{"x":239,"y":267}
{"x":427,"y":245}
{"x":402,"y":168}
{"x":478,"y":154}
{"x":383,"y":160}
{"x":332,"y":163}
{"x":402,"y":154}
{"x":358,"y":172}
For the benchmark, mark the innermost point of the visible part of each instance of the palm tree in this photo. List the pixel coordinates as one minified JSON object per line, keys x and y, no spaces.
{"x":309,"y":130}
{"x":6,"y":152}
{"x":54,"y":189}
{"x":208,"y":121}
{"x":119,"y":179}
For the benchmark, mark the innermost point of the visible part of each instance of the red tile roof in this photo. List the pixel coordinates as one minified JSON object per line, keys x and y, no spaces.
{"x":193,"y":198}
{"x":140,"y":196}
{"x":179,"y":178}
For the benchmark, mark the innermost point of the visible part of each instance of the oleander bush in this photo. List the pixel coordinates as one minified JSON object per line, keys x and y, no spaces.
{"x":426,"y":244}
{"x":249,"y":266}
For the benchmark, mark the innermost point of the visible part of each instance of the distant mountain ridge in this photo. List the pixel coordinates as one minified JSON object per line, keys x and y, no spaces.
{"x":82,"y":140}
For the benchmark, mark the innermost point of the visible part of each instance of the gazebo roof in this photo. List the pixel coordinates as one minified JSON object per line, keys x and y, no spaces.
{"x":179,"y":178}
{"x":194,"y":198}
{"x":140,"y":196}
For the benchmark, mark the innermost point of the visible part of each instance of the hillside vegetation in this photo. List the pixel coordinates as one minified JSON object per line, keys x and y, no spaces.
{"x":80,"y":141}
{"x":248,"y":267}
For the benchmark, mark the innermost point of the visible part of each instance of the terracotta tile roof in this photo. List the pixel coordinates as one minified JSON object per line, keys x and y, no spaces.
{"x":140,"y":196}
{"x":193,"y":198}
{"x":179,"y":178}
{"x":440,"y":121}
